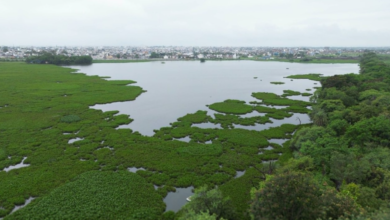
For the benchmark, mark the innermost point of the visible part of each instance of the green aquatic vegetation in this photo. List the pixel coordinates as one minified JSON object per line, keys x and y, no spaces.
{"x":55,"y":163}
{"x":290,"y":93}
{"x":255,"y":103}
{"x":96,"y":195}
{"x":263,"y":109}
{"x":285,"y":102}
{"x":237,"y":190}
{"x":265,"y":95}
{"x":273,"y":99}
{"x":296,"y":109}
{"x":196,"y":118}
{"x":70,"y":118}
{"x":279,"y":132}
{"x":306,"y":94}
{"x":279,"y":114}
{"x":232,"y":107}
{"x":242,"y":137}
{"x":201,"y":149}
{"x":277,"y":83}
{"x":311,"y":76}
{"x":228,"y":120}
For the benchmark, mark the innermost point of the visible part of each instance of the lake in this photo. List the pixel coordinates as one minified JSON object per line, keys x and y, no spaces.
{"x":180,"y":87}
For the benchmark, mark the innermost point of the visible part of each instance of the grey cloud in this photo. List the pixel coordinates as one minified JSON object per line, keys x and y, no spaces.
{"x":197,"y":23}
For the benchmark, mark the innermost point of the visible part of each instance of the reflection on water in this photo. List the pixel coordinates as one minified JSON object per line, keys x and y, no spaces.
{"x":176,"y":200}
{"x":183,"y":87}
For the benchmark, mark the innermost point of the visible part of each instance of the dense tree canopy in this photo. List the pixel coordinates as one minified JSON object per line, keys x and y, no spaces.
{"x":340,"y":166}
{"x":50,"y":58}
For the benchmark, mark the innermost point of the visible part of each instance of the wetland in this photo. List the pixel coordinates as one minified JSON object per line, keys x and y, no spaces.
{"x":176,"y":127}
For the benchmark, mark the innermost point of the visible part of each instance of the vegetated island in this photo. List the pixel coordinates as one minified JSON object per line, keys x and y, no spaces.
{"x":311,"y":76}
{"x":334,"y":168}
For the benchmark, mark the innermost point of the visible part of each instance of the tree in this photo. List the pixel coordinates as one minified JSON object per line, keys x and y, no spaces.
{"x":154,"y":55}
{"x":191,"y":215}
{"x":287,"y":196}
{"x":346,"y":167}
{"x":295,"y":195}
{"x":374,"y":130}
{"x":209,"y":201}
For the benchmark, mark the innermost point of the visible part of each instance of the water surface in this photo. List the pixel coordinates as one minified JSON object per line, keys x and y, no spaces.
{"x":180,"y":87}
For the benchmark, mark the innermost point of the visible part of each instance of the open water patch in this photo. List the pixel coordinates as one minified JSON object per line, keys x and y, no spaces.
{"x":176,"y":200}
{"x":278,"y":141}
{"x":71,"y":141}
{"x":268,"y":148}
{"x":207,"y":125}
{"x":135,"y":169}
{"x":253,"y":114}
{"x":184,"y":139}
{"x":28,"y":201}
{"x":17,"y":166}
{"x":239,"y":174}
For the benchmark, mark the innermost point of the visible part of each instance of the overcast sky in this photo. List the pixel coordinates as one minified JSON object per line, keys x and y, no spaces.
{"x":195,"y":22}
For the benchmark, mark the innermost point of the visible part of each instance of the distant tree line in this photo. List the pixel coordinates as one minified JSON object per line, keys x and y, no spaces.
{"x":50,"y":58}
